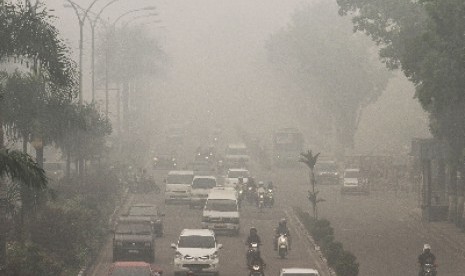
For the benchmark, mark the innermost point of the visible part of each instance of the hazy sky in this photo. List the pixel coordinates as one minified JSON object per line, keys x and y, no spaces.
{"x":218,"y":66}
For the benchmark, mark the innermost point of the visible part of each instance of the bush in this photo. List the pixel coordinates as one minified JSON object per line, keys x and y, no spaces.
{"x":346,"y":265}
{"x":342,"y":261}
{"x":30,"y":260}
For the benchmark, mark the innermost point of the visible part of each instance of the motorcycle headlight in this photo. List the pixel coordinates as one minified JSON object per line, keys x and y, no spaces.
{"x":155,"y":159}
{"x":261,"y":196}
{"x":256,"y":267}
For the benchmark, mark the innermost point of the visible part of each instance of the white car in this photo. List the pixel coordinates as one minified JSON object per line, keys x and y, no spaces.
{"x":221,"y":211}
{"x":232,"y":178}
{"x":196,"y":251}
{"x":298,"y":272}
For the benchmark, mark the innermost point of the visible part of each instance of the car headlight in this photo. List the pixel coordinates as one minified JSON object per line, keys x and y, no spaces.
{"x":187,"y":257}
{"x":204,"y":257}
{"x":148,"y":244}
{"x":155,"y":159}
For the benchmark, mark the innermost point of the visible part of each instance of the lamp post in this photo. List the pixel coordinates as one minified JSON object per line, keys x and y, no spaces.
{"x":81,"y":20}
{"x":111,"y":28}
{"x":93,"y":24}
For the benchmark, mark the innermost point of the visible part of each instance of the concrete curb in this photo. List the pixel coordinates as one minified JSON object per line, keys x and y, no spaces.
{"x":310,"y":239}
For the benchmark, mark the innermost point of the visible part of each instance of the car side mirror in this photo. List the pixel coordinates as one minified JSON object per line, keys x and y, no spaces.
{"x":220,"y":246}
{"x":173,"y":246}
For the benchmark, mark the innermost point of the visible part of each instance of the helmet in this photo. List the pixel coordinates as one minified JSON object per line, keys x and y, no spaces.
{"x":253,"y":231}
{"x":283,"y":222}
{"x":426,"y":247}
{"x":261,"y":183}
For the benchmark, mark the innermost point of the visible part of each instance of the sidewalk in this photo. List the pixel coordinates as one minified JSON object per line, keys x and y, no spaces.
{"x":453,"y":236}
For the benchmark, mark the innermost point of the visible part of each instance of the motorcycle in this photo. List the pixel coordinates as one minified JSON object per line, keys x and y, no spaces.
{"x":260,"y":200}
{"x":429,"y":270}
{"x":283,"y":246}
{"x":251,"y":252}
{"x":256,"y":270}
{"x":250,"y":195}
{"x":269,"y":198}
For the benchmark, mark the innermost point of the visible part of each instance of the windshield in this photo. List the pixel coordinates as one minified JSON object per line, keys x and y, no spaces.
{"x":196,"y":242}
{"x":131,"y":271}
{"x":143,"y":211}
{"x":203,"y":183}
{"x":237,"y":174}
{"x":351,"y":174}
{"x":300,"y":274}
{"x":133,"y":229}
{"x":221,"y":205}
{"x":326,"y":167}
{"x":237,"y":151}
{"x":179,"y":179}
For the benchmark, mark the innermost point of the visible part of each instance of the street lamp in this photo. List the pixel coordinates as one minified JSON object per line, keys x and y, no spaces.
{"x":93,"y":23}
{"x":81,"y":37}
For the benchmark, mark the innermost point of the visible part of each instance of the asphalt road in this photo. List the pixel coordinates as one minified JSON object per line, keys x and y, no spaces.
{"x":232,"y":256}
{"x":379,"y":228}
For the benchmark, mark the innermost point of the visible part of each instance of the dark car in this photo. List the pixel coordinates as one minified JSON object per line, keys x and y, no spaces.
{"x":133,"y":240}
{"x":165,"y":161}
{"x":134,"y":269}
{"x":327,"y":172}
{"x":150,"y":212}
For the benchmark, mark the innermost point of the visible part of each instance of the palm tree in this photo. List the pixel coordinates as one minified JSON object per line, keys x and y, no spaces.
{"x":21,"y":168}
{"x":310,"y":160}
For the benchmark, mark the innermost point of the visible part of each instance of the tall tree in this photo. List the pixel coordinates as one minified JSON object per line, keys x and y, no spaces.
{"x":425,"y":39}
{"x":333,"y":67}
{"x":310,"y":160}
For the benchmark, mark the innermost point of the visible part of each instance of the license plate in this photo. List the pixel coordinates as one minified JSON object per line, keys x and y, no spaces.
{"x":132,"y":251}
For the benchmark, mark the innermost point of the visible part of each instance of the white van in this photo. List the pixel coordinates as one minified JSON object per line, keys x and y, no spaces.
{"x":178,"y":186}
{"x":221,"y":211}
{"x":201,"y":187}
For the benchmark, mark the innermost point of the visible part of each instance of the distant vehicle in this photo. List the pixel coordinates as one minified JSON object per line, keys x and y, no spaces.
{"x":201,"y":187}
{"x":354,"y":182}
{"x":206,"y":153}
{"x":233,"y":175}
{"x":178,"y":186}
{"x":196,"y":251}
{"x":299,"y":272}
{"x":54,"y":170}
{"x":133,"y":239}
{"x":134,"y":269}
{"x":203,"y":167}
{"x":221,"y":211}
{"x":236,"y":156}
{"x":148,"y":211}
{"x":326,"y":172}
{"x":288,"y":143}
{"x":165,"y":161}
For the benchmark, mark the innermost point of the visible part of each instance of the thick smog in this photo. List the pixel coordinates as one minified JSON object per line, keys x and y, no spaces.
{"x":221,"y":137}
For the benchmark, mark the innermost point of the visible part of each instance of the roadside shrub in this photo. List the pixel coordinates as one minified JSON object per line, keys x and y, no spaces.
{"x":342,"y":261}
{"x":347,"y":265}
{"x":333,"y":253}
{"x":321,"y":229}
{"x":29,"y":260}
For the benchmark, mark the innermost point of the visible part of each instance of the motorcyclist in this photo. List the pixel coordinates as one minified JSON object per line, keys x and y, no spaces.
{"x":270,"y":186}
{"x":253,"y":237}
{"x":282,"y":230}
{"x":260,"y":191}
{"x":426,"y":257}
{"x":256,"y":259}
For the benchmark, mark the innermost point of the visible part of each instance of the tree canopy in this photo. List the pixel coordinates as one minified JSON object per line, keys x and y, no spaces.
{"x":333,"y":67}
{"x":425,"y":39}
